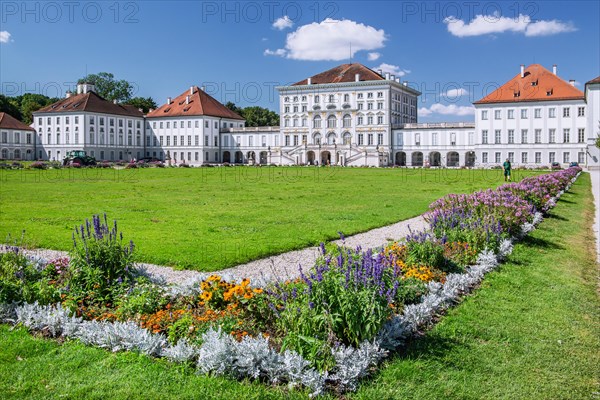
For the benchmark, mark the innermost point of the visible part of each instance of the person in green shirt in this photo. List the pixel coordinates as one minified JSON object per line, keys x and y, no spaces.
{"x":506,"y":167}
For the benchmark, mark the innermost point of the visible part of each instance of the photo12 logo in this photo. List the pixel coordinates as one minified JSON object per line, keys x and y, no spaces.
{"x":53,"y":12}
{"x":266,"y":11}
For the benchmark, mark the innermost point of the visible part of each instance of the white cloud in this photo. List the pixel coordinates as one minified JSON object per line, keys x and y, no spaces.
{"x":546,"y":28}
{"x":283,"y":23}
{"x":392,"y":69}
{"x":442,"y":109}
{"x":264,"y":39}
{"x":454,"y":93}
{"x":373,"y":56}
{"x":278,"y":52}
{"x":490,"y":24}
{"x":4,"y":36}
{"x":330,"y":40}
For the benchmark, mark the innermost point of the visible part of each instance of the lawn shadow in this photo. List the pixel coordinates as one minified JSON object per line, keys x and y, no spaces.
{"x":556,"y":216}
{"x":563,"y":200}
{"x":543,"y":243}
{"x":430,"y":345}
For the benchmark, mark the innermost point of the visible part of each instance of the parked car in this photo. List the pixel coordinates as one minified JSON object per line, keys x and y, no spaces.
{"x":574,"y":164}
{"x":556,"y":165}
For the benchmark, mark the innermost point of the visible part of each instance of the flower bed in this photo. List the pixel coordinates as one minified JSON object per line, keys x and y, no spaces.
{"x":325,"y":330}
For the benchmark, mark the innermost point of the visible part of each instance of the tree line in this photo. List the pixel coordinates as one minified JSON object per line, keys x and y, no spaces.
{"x":23,"y":106}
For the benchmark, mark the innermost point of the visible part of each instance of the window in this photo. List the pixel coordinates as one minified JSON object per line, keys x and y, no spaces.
{"x":360,"y":139}
{"x":347,"y":121}
{"x":538,"y":157}
{"x":28,"y":138}
{"x":523,"y":135}
{"x":287,"y":109}
{"x":537,"y":113}
{"x":552,"y":136}
{"x":581,"y":157}
{"x":511,"y":136}
{"x":524,"y":158}
{"x":370,"y":139}
{"x":331,"y":98}
{"x":287,"y":140}
{"x":91,"y":120}
{"x":581,"y":111}
{"x":566,"y":135}
{"x":566,"y":157}
{"x":566,"y":111}
{"x":369,"y":106}
{"x":317,"y":99}
{"x":174,"y":140}
{"x":168,"y":124}
{"x":434,"y":138}
{"x":346,"y":98}
{"x":216,"y":141}
{"x":380,"y":120}
{"x":380,"y":138}
{"x":369,"y":95}
{"x":524,"y":113}
{"x":360,"y":95}
{"x":484,"y":157}
{"x":551,"y":157}
{"x":379,"y":94}
{"x":39,"y":121}
{"x":359,"y":121}
{"x":581,"y":135}
{"x":484,"y":114}
{"x":497,"y":114}
{"x":417,"y":139}
{"x":197,"y":124}
{"x":317,"y":121}
{"x":331,"y":121}
{"x":471,"y":138}
{"x":264,"y":141}
{"x":360,"y":106}
{"x":206,"y":140}
{"x":5,"y":138}
{"x":189,"y":142}
{"x":295,"y":140}
{"x":453,"y":139}
{"x":497,"y":136}
{"x":197,"y":140}
{"x":552,"y":112}
{"x":511,"y":156}
{"x":538,"y":136}
{"x":484,"y":137}
{"x":498,"y":157}
{"x":17,"y":137}
{"x":510,"y":114}
{"x":250,"y":141}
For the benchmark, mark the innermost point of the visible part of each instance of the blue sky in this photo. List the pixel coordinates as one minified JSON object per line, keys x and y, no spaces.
{"x":452,"y":51}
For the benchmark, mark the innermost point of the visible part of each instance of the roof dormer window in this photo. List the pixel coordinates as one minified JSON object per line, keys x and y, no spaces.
{"x":517,"y":94}
{"x":549,"y":92}
{"x":534,"y":83}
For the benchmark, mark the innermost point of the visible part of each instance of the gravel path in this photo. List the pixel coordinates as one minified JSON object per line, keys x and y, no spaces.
{"x":283,"y":266}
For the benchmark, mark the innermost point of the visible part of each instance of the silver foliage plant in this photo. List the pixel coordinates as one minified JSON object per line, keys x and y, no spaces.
{"x":221,"y":354}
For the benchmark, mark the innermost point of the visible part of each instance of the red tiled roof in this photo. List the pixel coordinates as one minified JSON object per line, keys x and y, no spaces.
{"x":90,"y":102}
{"x":595,"y":80}
{"x":7,"y":121}
{"x":343,"y":73}
{"x":538,"y":84}
{"x":200,"y":104}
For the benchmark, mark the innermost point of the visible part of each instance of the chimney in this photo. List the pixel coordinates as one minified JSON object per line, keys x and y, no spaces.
{"x":398,"y":80}
{"x":405,"y":83}
{"x":140,"y":110}
{"x":203,"y":88}
{"x":115,"y":101}
{"x":393,"y":77}
{"x":168,"y":100}
{"x":150,"y":110}
{"x":68,"y":94}
{"x":309,"y":81}
{"x":554,"y":69}
{"x":572,"y":82}
{"x":380,"y":72}
{"x":187,"y":99}
{"x":191,"y":90}
{"x":387,"y":76}
{"x":356,"y":77}
{"x":522,"y":71}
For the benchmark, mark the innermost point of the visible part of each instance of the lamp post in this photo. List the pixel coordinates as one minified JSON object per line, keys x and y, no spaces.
{"x":269,"y":150}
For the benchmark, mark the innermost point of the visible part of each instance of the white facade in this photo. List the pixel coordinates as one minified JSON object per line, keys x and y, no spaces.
{"x":103,"y":135}
{"x":346,"y":123}
{"x":532,"y":134}
{"x":17,"y":144}
{"x":443,"y":144}
{"x":592,"y":96}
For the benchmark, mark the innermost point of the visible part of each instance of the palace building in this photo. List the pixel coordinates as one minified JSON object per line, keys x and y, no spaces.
{"x":349,"y":115}
{"x":17,"y":140}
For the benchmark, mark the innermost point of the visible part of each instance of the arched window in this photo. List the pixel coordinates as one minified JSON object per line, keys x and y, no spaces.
{"x":317,"y":121}
{"x":4,"y":154}
{"x":317,"y":138}
{"x":347,"y":138}
{"x":347,"y":121}
{"x":331,"y":121}
{"x":331,"y":138}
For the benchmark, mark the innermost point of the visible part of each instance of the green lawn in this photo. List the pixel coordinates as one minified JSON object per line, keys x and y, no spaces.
{"x":211,"y":218}
{"x":530,"y":332}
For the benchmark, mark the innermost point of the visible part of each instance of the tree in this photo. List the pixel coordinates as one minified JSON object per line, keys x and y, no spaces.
{"x":255,"y":116}
{"x":31,"y":102}
{"x":108,"y":87}
{"x":145,"y":103}
{"x":9,"y":107}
